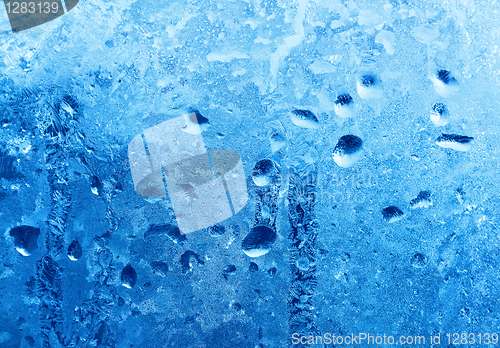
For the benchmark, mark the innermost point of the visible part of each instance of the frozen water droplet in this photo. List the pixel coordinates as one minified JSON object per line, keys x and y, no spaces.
{"x":418,"y":260}
{"x":304,"y":119}
{"x":228,"y":270}
{"x":96,"y":185}
{"x":259,"y":241}
{"x":277,"y":142}
{"x":272,"y":271}
{"x":440,"y":115}
{"x":423,"y":200}
{"x":344,"y":106}
{"x":75,"y":250}
{"x":444,"y":83}
{"x":160,"y":268}
{"x":171,"y":231}
{"x":455,"y":142}
{"x":392,"y":214}
{"x":121,"y":301}
{"x":128,"y":276}
{"x":253,"y":267}
{"x":370,"y":86}
{"x":216,"y":230}
{"x":25,"y":239}
{"x":263,"y":172}
{"x":195,"y":123}
{"x":348,"y":151}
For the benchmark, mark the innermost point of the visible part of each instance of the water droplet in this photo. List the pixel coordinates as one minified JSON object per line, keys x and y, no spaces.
{"x":195,"y":122}
{"x":277,"y":142}
{"x":263,"y":172}
{"x":160,"y":268}
{"x":370,"y":86}
{"x":272,"y":271}
{"x":392,"y":214}
{"x":216,"y":230}
{"x":304,"y":119}
{"x":455,"y":142}
{"x":418,"y":260}
{"x":253,"y":267}
{"x":128,"y":276}
{"x":440,"y":115}
{"x":259,"y":241}
{"x":423,"y":200}
{"x":444,"y":83}
{"x":348,"y":151}
{"x":344,"y":106}
{"x":75,"y":250}
{"x":25,"y":239}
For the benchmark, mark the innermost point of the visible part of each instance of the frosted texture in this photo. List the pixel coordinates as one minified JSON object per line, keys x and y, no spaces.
{"x":400,"y":239}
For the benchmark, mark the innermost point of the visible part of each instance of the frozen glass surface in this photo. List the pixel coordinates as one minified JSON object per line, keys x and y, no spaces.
{"x":348,"y":156}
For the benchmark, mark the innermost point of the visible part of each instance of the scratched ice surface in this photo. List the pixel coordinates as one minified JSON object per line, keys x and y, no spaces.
{"x":370,"y":207}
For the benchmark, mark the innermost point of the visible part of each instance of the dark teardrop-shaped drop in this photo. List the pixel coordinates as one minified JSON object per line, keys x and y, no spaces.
{"x":128,"y":276}
{"x":75,"y":250}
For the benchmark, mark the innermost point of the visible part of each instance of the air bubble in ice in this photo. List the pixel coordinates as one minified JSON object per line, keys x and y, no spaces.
{"x":25,"y":239}
{"x":128,"y":276}
{"x":348,"y":151}
{"x":75,"y":250}
{"x":259,"y":241}
{"x":440,"y":115}
{"x":392,"y":214}
{"x":370,"y":86}
{"x":263,"y":172}
{"x":455,"y":142}
{"x":344,"y":106}
{"x":304,"y":119}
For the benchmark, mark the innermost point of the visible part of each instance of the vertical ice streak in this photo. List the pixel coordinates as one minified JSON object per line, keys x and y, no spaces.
{"x":49,"y":291}
{"x":302,"y":237}
{"x":49,"y":274}
{"x":95,"y":313}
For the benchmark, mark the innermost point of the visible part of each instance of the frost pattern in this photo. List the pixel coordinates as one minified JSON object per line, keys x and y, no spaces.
{"x":302,"y":238}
